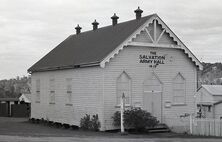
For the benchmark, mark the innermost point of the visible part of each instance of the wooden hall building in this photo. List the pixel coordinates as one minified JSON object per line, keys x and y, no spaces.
{"x":89,"y":71}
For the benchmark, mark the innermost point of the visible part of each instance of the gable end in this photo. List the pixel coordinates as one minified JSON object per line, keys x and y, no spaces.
{"x":151,"y":30}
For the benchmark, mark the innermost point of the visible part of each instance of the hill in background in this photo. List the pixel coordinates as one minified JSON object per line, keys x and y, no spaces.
{"x":211,"y":74}
{"x":14,"y":87}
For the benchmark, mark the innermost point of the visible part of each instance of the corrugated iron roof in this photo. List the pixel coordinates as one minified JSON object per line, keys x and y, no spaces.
{"x":9,"y":99}
{"x":87,"y":48}
{"x":25,"y":97}
{"x":213,"y":89}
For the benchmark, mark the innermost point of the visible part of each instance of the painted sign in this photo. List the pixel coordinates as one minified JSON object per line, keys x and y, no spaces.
{"x":153,"y":59}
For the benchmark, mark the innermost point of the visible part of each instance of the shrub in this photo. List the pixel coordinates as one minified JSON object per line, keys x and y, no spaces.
{"x":136,"y":118}
{"x":116,"y":119}
{"x":87,"y":123}
{"x":95,"y":124}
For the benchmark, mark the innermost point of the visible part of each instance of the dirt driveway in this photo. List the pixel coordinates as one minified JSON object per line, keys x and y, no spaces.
{"x":20,"y":130}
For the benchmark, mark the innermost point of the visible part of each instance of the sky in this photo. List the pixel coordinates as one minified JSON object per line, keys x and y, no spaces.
{"x":29,"y":29}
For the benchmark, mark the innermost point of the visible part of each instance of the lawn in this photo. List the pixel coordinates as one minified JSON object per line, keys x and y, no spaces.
{"x":20,"y":129}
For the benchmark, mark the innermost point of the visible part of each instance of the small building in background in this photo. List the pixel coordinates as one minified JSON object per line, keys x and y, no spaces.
{"x":209,"y":101}
{"x":15,"y":106}
{"x":6,"y":105}
{"x":26,"y":98}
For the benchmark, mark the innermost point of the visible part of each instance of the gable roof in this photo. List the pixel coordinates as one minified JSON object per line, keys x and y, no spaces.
{"x":25,"y":97}
{"x":218,"y":102}
{"x":87,"y":48}
{"x":96,"y":47}
{"x":213,"y":89}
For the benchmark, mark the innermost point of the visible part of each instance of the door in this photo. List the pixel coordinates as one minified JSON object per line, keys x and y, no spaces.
{"x":152,"y":96}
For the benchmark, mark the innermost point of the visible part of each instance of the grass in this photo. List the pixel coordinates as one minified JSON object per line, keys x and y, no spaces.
{"x":23,"y":127}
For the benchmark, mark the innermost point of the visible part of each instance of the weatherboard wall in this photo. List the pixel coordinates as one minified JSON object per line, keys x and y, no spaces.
{"x":86,"y":95}
{"x":128,"y":60}
{"x":218,"y":111}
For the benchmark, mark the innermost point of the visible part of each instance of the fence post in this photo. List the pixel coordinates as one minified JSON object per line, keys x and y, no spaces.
{"x":214,"y":128}
{"x":220,"y":127}
{"x":191,"y":124}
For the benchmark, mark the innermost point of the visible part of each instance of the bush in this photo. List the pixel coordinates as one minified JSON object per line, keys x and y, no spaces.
{"x":116,"y":119}
{"x":95,"y":124}
{"x":87,"y":123}
{"x":136,"y":118}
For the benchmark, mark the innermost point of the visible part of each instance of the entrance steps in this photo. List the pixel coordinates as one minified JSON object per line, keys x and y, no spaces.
{"x":160,"y":128}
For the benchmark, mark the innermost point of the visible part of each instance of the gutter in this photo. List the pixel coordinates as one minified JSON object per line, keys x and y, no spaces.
{"x":63,"y":67}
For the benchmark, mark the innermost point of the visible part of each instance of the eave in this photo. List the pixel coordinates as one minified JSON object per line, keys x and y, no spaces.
{"x":64,"y":67}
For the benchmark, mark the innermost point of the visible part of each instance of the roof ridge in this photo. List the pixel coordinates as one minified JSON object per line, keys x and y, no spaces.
{"x":116,"y":25}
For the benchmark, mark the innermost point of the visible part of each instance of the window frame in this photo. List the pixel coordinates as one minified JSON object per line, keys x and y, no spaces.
{"x":38,"y":90}
{"x":183,"y":89}
{"x":129,"y":90}
{"x":52,"y":86}
{"x":69,"y":92}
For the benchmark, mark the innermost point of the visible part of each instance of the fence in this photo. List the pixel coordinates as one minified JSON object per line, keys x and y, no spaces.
{"x":4,"y":109}
{"x":20,"y":110}
{"x":206,"y":127}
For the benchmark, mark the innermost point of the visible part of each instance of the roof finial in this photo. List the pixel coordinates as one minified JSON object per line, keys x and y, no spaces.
{"x":95,"y":25}
{"x":78,"y":29}
{"x":138,"y":12}
{"x":114,"y":19}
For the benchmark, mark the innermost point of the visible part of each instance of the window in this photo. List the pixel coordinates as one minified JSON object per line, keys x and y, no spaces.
{"x":37,"y":98}
{"x":209,"y":108}
{"x":123,"y":86}
{"x":52,"y":91}
{"x":179,"y":89}
{"x":69,"y":91}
